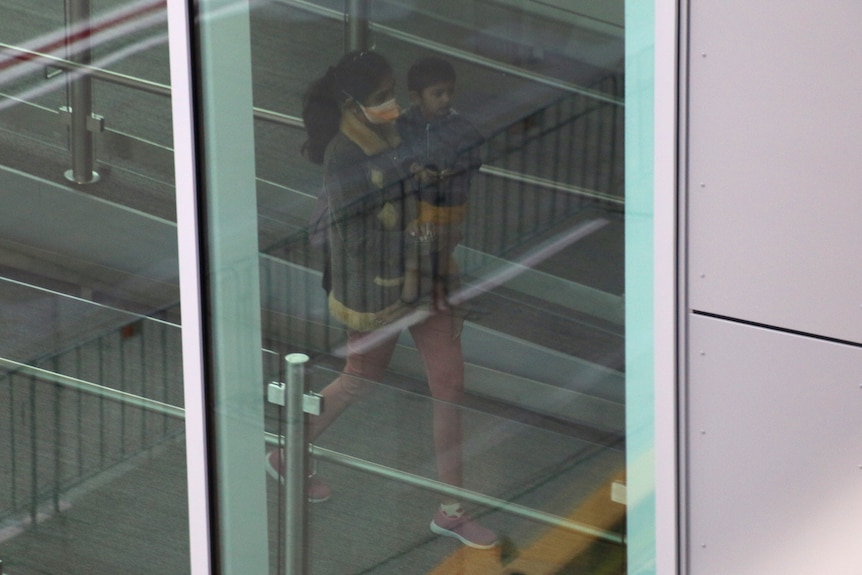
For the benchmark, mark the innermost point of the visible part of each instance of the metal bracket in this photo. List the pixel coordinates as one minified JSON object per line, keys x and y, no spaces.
{"x":619,"y":492}
{"x":275,"y":393}
{"x":312,"y":403}
{"x":95,"y":123}
{"x":51,"y":72}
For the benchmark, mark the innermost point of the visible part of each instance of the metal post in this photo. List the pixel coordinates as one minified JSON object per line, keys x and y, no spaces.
{"x":80,"y":86}
{"x":356,"y":23}
{"x":295,"y":454}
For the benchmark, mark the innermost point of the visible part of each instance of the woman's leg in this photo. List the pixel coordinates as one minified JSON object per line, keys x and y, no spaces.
{"x":439,"y":343}
{"x":362,"y":366}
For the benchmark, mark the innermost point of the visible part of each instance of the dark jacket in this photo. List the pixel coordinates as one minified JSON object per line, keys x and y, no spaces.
{"x":371,"y":201}
{"x":450,"y":143}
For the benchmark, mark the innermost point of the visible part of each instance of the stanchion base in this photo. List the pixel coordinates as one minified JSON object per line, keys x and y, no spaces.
{"x":70,"y":175}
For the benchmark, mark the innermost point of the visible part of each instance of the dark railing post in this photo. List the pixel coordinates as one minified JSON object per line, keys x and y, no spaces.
{"x":79,"y":112}
{"x":356,"y":22}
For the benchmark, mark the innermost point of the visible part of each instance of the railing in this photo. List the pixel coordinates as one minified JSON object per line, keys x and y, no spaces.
{"x":108,"y":26}
{"x":64,"y":429}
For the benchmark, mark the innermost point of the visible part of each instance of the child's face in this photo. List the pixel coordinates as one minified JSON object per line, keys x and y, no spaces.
{"x":435,"y":101}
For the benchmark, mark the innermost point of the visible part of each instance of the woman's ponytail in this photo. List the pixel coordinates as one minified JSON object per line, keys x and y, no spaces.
{"x":321,"y":113}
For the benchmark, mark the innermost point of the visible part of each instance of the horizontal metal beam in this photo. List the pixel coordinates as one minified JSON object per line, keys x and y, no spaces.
{"x":550,"y":184}
{"x":96,"y":73}
{"x":94,"y":388}
{"x":464,"y":494}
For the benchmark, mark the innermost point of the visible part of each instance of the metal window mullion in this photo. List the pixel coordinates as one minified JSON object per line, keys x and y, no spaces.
{"x":189,"y":251}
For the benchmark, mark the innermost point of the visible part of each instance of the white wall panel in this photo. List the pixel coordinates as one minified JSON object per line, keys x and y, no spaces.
{"x":776,"y":163}
{"x":775,"y":452}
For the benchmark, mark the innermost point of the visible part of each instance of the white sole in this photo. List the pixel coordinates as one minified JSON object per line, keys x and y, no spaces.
{"x":437,"y":530}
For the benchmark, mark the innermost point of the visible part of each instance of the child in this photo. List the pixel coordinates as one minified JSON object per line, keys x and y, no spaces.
{"x":445,"y":147}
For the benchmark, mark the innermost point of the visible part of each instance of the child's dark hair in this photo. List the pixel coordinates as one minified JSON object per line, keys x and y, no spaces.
{"x":429,"y":71}
{"x":356,"y":76}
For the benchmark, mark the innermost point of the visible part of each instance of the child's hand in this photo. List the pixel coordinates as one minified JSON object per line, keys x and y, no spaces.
{"x":422,"y":232}
{"x":426,"y":176}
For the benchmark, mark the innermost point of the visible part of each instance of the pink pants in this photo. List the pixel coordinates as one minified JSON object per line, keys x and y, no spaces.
{"x":439,"y":343}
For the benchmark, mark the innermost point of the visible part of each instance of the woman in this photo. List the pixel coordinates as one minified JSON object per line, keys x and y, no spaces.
{"x":349,"y":117}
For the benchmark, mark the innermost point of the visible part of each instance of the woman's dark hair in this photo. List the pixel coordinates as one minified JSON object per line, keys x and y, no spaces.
{"x":356,"y":76}
{"x":429,"y":71}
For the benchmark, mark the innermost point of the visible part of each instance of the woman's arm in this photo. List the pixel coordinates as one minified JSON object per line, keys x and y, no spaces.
{"x":368,"y":204}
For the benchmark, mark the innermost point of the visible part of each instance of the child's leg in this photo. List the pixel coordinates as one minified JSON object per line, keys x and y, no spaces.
{"x":410,"y":288}
{"x":445,"y":279}
{"x":440,"y":262}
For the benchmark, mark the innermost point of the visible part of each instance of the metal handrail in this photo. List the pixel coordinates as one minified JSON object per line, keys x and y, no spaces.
{"x":550,"y":184}
{"x":296,"y":122}
{"x":466,"y":494}
{"x":98,"y":73}
{"x":95,"y":389}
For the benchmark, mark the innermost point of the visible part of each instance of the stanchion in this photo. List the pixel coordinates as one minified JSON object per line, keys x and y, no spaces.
{"x":294,"y":465}
{"x":297,"y":401}
{"x":79,"y":113}
{"x":356,"y":23}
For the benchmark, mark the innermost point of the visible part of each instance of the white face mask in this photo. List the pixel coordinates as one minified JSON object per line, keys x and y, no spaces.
{"x":384,"y":113}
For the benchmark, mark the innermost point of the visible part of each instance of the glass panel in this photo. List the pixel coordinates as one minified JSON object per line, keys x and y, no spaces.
{"x":543,"y":487}
{"x":492,"y":239}
{"x":92,"y":453}
{"x":639,"y":269}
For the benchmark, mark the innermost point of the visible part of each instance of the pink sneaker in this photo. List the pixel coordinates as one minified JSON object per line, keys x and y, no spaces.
{"x":464,"y":529}
{"x":318,"y":491}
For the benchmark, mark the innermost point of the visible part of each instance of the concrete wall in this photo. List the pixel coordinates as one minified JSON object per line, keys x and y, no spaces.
{"x":774,"y":273}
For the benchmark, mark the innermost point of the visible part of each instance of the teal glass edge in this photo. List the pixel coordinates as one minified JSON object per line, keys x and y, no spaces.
{"x":639,"y":273}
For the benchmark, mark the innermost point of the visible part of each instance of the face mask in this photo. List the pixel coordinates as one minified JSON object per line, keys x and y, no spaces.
{"x":384,"y":113}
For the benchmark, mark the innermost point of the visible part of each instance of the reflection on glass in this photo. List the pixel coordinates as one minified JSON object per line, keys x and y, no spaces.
{"x":92,"y":456}
{"x":495,"y":202}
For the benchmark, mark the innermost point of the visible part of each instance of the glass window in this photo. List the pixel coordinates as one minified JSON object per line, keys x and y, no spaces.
{"x":427,"y":235}
{"x":428,"y":229}
{"x":92,"y":453}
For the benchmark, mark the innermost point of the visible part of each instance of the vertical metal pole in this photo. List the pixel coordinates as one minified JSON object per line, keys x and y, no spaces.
{"x":80,"y":88}
{"x":356,"y":21}
{"x":295,"y":452}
